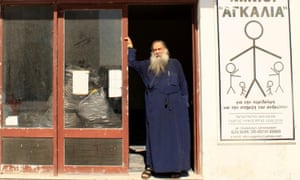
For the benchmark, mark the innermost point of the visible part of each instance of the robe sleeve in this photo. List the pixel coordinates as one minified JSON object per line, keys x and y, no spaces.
{"x":183,"y":83}
{"x":141,"y":67}
{"x":133,"y":63}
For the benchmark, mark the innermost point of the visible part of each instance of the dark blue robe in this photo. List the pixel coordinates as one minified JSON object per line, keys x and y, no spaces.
{"x":167,"y":119}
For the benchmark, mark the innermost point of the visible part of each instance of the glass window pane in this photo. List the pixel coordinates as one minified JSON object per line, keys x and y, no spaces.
{"x":93,"y":151}
{"x":92,"y":90}
{"x":27,"y":66}
{"x":35,"y":151}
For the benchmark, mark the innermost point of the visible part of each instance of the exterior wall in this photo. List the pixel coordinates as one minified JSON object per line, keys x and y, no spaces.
{"x":276,"y":160}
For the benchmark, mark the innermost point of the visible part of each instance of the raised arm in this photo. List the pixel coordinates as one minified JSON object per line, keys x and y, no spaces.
{"x":139,"y":66}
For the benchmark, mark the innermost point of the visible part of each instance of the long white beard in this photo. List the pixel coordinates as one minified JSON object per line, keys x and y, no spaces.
{"x":158,"y":64}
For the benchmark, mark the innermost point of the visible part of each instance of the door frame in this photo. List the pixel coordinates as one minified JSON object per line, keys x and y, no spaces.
{"x":85,"y":133}
{"x":196,"y":73}
{"x":25,"y":132}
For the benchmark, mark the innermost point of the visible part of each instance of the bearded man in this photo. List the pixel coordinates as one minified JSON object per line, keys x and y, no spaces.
{"x":167,"y":118}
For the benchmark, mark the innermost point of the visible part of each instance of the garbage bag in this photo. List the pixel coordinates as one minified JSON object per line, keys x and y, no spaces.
{"x":94,"y":107}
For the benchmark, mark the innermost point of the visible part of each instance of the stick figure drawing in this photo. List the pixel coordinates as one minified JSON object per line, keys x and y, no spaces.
{"x":254,"y":30}
{"x":277,"y":69}
{"x":232,"y":70}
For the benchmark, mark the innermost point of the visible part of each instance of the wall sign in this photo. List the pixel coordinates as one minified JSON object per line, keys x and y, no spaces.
{"x":255,"y":70}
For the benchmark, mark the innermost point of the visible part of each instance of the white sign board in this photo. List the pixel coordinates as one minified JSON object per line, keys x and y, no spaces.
{"x":80,"y":82}
{"x":115,"y":83}
{"x":11,"y":121}
{"x":255,"y":66}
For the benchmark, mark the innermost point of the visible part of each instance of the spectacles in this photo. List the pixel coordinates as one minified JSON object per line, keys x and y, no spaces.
{"x":157,"y":49}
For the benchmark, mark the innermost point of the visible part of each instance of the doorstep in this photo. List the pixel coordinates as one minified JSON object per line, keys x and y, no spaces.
{"x":129,"y":176}
{"x":136,"y":166}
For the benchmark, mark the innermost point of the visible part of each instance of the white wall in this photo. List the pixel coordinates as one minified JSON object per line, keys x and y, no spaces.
{"x":242,"y":161}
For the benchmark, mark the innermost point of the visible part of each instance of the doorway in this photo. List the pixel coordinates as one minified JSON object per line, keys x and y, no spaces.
{"x":172,"y":24}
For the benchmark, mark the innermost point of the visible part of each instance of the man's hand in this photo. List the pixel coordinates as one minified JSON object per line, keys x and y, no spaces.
{"x":129,"y":42}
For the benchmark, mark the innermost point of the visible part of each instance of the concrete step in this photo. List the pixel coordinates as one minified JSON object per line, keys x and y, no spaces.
{"x":129,"y":176}
{"x":136,"y":167}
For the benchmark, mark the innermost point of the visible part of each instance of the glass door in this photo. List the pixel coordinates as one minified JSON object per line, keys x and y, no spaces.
{"x":63,"y":86}
{"x":28,"y":133}
{"x":92,"y":100}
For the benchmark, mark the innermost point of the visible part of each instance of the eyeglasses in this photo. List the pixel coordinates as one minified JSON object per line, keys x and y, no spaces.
{"x":157,"y":49}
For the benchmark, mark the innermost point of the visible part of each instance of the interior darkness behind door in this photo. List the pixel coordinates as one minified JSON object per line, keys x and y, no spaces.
{"x":172,"y":24}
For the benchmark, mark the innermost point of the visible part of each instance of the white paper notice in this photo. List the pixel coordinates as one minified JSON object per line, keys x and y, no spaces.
{"x":11,"y":121}
{"x":80,"y":82}
{"x":115,"y":83}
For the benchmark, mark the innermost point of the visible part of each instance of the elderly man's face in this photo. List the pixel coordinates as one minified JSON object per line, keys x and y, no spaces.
{"x":158,"y":49}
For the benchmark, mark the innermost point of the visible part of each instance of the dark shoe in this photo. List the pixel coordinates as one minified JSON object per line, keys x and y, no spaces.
{"x":175,"y":175}
{"x":179,"y":174}
{"x":146,"y":174}
{"x":184,"y":174}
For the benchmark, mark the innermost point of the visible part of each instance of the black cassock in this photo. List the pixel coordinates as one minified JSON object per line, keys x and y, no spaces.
{"x":168,"y":143}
